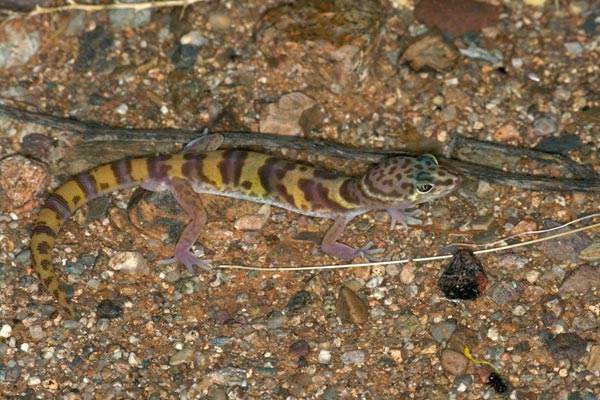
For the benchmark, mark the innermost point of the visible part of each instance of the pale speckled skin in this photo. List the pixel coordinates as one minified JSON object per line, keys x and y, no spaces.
{"x":395,"y":185}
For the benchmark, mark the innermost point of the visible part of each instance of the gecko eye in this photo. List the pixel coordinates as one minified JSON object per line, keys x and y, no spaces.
{"x":424,"y":188}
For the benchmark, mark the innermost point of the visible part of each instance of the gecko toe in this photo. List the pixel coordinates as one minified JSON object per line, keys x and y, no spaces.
{"x":369,"y":253}
{"x":190,"y":260}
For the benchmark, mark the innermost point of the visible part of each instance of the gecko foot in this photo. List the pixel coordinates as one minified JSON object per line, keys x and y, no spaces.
{"x":368,"y":252}
{"x":404,"y":217}
{"x":190,"y":260}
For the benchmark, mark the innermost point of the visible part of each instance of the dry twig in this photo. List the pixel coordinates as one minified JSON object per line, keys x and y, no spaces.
{"x":74,"y":6}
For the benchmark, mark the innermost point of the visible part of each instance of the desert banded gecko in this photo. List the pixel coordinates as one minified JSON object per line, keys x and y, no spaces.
{"x":395,"y":185}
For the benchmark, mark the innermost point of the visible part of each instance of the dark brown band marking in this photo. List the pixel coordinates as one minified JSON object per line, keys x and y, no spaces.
{"x":273,"y":170}
{"x":231,"y":166}
{"x":59,"y":205}
{"x":318,"y":195}
{"x":157,"y":169}
{"x":348,"y":191}
{"x":283,"y":193}
{"x":87,"y":184}
{"x":45,"y":229}
{"x":122,"y":171}
{"x":193,"y":168}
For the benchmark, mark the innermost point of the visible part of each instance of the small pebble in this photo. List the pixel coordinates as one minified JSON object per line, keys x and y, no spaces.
{"x":407,"y":275}
{"x":584,"y":322}
{"x":181,"y":357}
{"x":503,"y":293}
{"x":36,"y":332}
{"x":545,"y":125}
{"x":593,"y":363}
{"x":129,"y":262}
{"x":191,"y":336}
{"x":592,"y":252}
{"x":324,"y":357}
{"x":301,"y":347}
{"x":532,"y":276}
{"x":253,"y":222}
{"x":574,"y":48}
{"x":392,"y":269}
{"x":5,"y":331}
{"x":276,"y":320}
{"x":519,"y":310}
{"x":454,"y":362}
{"x":220,"y":19}
{"x":34,"y":381}
{"x":350,"y":307}
{"x":134,"y":360}
{"x":442,"y":331}
{"x":122,"y":109}
{"x":354,"y":357}
{"x":219,"y":341}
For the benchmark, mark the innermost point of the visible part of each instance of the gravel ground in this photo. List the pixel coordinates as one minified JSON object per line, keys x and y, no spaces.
{"x":524,"y":73}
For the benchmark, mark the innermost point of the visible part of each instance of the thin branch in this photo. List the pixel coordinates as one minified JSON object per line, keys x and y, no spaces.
{"x":74,"y":6}
{"x":93,"y":132}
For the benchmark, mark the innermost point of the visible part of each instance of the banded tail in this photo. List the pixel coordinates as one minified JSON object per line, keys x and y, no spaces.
{"x":72,"y":195}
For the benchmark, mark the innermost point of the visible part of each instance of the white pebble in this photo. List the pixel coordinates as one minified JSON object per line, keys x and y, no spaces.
{"x":47,"y":353}
{"x":122,"y":109}
{"x":324,"y":357}
{"x":519,"y":310}
{"x":532,"y":276}
{"x":493,"y":333}
{"x":34,"y":381}
{"x":5,"y":331}
{"x":129,"y":262}
{"x":134,"y":360}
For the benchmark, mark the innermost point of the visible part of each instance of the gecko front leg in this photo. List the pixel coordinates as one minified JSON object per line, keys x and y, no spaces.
{"x":331,"y":246}
{"x":191,"y":202}
{"x":404,"y":217}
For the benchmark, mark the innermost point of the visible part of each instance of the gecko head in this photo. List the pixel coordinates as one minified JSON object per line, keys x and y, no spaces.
{"x":406,"y":181}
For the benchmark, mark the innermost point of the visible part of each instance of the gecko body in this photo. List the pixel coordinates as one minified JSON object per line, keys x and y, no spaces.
{"x":395,"y":185}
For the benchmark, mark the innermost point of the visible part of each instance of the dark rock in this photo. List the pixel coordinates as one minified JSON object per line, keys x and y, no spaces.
{"x":185,"y":56}
{"x":559,"y":145}
{"x":94,"y":48}
{"x":566,"y":346}
{"x":36,"y":145}
{"x":456,"y":16}
{"x":298,"y":302}
{"x":580,"y":280}
{"x":109,"y":309}
{"x":301,"y":347}
{"x":565,"y":248}
{"x":464,"y":277}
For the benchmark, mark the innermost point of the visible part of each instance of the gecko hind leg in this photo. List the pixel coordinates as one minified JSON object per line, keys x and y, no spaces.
{"x":191,"y":202}
{"x":331,"y":246}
